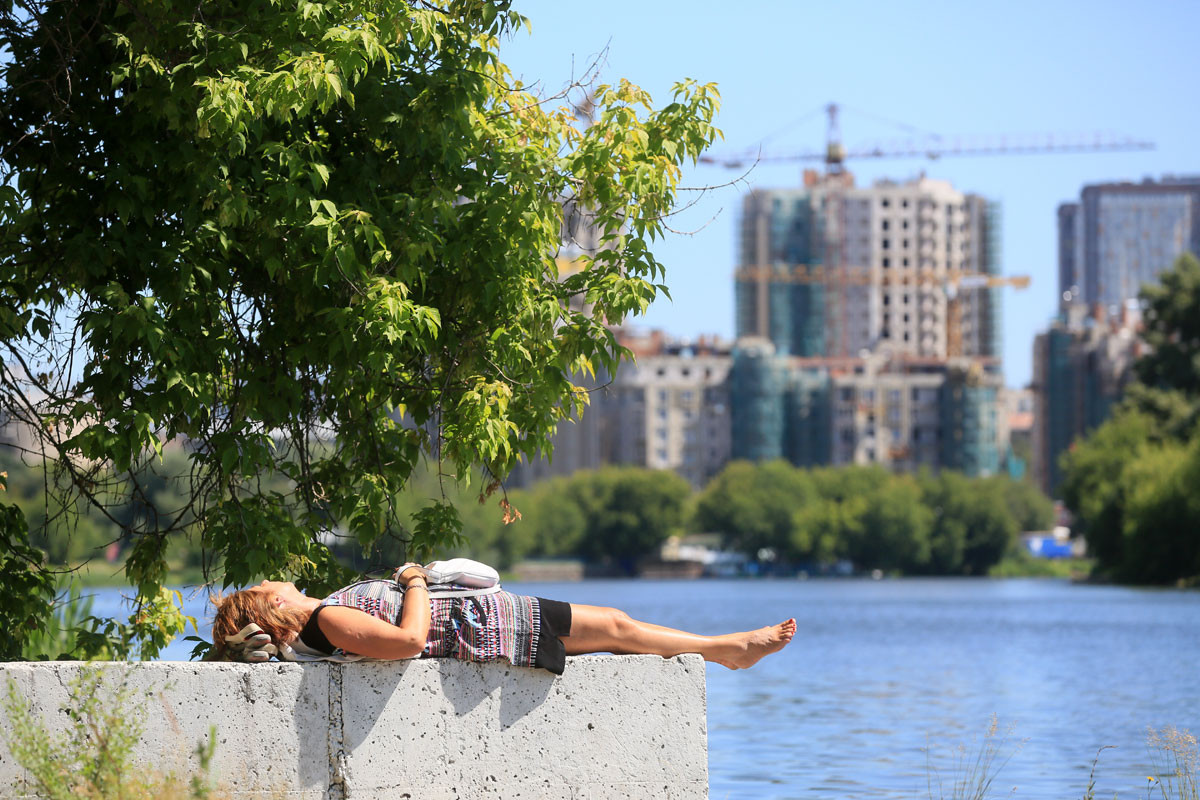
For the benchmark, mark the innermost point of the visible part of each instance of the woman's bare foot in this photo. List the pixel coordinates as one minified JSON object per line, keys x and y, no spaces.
{"x":752,"y":646}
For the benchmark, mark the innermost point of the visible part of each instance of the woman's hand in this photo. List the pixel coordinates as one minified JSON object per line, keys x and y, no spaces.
{"x":410,"y":571}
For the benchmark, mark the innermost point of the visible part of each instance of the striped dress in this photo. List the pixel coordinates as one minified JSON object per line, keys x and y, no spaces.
{"x":486,"y":628}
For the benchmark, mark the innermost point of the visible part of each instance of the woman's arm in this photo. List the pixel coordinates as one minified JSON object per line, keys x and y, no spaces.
{"x":358,"y":632}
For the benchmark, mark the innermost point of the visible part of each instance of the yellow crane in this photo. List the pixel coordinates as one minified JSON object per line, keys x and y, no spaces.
{"x":953,"y":287}
{"x":952,"y":284}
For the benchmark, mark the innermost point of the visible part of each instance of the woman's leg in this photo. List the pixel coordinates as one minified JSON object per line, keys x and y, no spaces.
{"x":609,"y":630}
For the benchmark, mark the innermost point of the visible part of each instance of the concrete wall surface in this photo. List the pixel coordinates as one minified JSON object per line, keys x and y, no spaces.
{"x":434,"y":729}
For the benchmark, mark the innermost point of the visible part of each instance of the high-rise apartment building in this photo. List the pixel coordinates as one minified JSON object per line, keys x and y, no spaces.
{"x":1122,"y":235}
{"x":1115,"y":239}
{"x":834,"y":270}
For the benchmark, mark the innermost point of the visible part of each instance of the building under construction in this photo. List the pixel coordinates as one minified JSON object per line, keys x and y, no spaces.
{"x":893,"y":409}
{"x":869,"y":325}
{"x":835,"y":270}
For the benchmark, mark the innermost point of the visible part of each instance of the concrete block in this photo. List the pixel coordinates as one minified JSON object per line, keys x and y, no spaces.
{"x":271,"y":720}
{"x":612,"y":726}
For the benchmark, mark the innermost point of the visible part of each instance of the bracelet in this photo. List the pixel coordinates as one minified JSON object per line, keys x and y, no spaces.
{"x":422,"y":584}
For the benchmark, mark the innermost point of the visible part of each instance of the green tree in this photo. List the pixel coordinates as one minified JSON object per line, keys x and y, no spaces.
{"x":1029,"y":506}
{"x":1171,"y":327}
{"x":1161,"y":538}
{"x":753,"y":507}
{"x":1127,"y":483}
{"x":1094,"y":488}
{"x":819,"y":529}
{"x":268,"y":228}
{"x":972,"y":525}
{"x":553,"y":523}
{"x":894,"y":529}
{"x":628,"y":512}
{"x":26,"y":588}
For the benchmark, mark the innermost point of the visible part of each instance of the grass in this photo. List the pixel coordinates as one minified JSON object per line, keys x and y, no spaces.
{"x":1174,"y":756}
{"x":93,"y":756}
{"x":1024,"y":565}
{"x":973,"y":772}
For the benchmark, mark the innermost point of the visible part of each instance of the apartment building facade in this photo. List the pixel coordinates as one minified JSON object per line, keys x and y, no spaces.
{"x":1119,"y":236}
{"x":899,"y":411}
{"x":668,"y":408}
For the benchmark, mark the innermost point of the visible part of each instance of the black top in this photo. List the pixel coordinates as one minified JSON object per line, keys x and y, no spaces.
{"x":312,"y":635}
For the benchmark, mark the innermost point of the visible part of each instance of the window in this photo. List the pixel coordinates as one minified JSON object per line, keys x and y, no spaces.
{"x":885,"y":225}
{"x":906,"y":262}
{"x":685,"y":396}
{"x":887,"y":301}
{"x":904,"y":204}
{"x":886,"y":244}
{"x":887,"y":262}
{"x":885,"y":202}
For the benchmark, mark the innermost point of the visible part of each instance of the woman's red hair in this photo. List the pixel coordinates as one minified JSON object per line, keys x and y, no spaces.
{"x":237,"y":610}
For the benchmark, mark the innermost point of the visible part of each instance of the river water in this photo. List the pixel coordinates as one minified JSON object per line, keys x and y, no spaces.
{"x":891,"y":685}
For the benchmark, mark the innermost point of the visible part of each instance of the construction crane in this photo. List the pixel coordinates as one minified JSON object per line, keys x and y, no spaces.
{"x":835,"y":153}
{"x":953,"y":287}
{"x":952,"y":284}
{"x":838,"y":275}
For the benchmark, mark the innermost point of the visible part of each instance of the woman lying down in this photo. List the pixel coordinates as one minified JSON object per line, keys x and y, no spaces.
{"x":401,"y":618}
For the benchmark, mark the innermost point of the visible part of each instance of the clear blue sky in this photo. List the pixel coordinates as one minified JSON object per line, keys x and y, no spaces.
{"x":945,"y":67}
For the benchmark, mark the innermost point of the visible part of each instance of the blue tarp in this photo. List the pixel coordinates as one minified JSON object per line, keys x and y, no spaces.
{"x":1047,"y":547}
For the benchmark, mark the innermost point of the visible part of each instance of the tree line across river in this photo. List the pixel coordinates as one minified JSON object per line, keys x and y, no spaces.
{"x":925,"y":524}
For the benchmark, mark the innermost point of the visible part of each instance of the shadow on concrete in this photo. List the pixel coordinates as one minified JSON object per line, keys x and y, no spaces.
{"x":366,"y":690}
{"x":314,"y":723}
{"x":521,"y":689}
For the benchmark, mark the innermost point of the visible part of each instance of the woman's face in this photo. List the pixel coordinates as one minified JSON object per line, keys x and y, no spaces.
{"x":281,"y":592}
